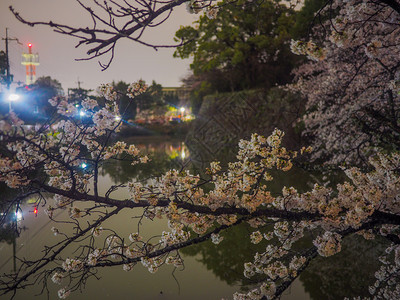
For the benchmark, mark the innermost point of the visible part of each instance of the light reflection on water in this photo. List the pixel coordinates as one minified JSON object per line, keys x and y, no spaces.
{"x":209,"y":272}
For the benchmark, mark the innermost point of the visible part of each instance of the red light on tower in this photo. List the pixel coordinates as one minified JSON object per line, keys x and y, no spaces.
{"x":30,"y":48}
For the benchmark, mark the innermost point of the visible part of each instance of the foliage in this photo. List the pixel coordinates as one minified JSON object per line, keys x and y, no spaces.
{"x":309,"y":15}
{"x":171,"y":99}
{"x":151,"y":98}
{"x":126,"y":106}
{"x":76,"y":95}
{"x":240,"y":48}
{"x":198,"y":88}
{"x":48,"y":86}
{"x":244,"y":46}
{"x":129,"y":108}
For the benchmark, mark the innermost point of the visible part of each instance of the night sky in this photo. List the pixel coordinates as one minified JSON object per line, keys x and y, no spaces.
{"x":58,"y":53}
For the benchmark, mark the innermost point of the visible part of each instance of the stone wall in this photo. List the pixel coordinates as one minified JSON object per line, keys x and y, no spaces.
{"x":226,"y":118}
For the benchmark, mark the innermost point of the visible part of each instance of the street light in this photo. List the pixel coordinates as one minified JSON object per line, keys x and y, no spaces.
{"x":11,"y":98}
{"x":182,"y":113}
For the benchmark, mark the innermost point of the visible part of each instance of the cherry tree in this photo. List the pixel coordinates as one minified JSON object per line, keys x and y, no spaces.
{"x":352,"y":81}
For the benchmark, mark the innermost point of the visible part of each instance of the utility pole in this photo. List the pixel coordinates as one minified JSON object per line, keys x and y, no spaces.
{"x":8,"y":75}
{"x":79,"y":84}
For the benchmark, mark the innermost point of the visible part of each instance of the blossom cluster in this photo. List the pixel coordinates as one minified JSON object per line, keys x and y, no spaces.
{"x":309,"y":48}
{"x":328,"y":244}
{"x":197,"y":6}
{"x":137,"y":88}
{"x":71,"y":264}
{"x":360,"y":54}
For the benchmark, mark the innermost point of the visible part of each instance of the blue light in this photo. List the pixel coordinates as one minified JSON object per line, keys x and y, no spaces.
{"x":83,"y":165}
{"x":13,"y":97}
{"x":82,"y":113}
{"x":18,"y":215}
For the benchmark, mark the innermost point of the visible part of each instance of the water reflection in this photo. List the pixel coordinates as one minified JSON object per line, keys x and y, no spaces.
{"x":10,"y":226}
{"x":219,"y":267}
{"x":346,"y":274}
{"x":226,"y":264}
{"x":164,"y":154}
{"x":8,"y":231}
{"x":140,"y":284}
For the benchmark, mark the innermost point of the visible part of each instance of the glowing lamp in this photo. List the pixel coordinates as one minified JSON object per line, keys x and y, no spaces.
{"x":183,"y":154}
{"x":83,"y":165}
{"x":18,"y":215}
{"x":13,"y":97}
